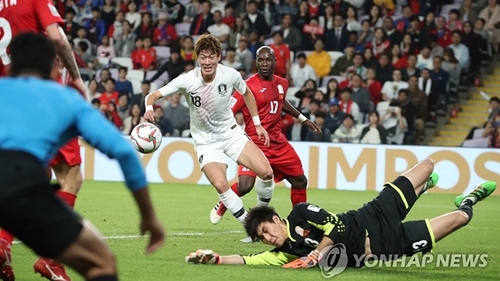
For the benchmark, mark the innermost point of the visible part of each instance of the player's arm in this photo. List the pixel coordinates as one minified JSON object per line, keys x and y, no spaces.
{"x":101,"y":134}
{"x":56,"y":33}
{"x":276,"y":258}
{"x":291,"y":110}
{"x":237,"y":102}
{"x":174,"y":87}
{"x":254,"y":112}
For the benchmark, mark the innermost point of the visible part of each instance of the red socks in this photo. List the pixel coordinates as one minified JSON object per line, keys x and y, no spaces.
{"x":6,"y":236}
{"x":298,"y":195}
{"x":234,"y":187}
{"x":68,"y":198}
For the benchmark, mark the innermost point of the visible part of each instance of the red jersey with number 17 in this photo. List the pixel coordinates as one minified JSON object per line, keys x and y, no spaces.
{"x":18,"y":16}
{"x":269,"y":96}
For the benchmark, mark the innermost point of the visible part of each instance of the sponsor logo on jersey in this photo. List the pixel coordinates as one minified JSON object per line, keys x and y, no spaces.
{"x":263,"y":90}
{"x":222,"y":90}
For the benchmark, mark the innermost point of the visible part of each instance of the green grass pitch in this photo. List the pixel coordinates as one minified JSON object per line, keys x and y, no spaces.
{"x":184,"y":211}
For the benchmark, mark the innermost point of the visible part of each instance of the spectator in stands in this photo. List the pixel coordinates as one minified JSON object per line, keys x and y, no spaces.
{"x":440,"y":79}
{"x":425,"y":81}
{"x":124,"y":5}
{"x":140,"y":97}
{"x":134,"y":119}
{"x":245,"y":57}
{"x":393,"y":35}
{"x":187,"y":48}
{"x":296,"y":132}
{"x":193,"y":8}
{"x":424,"y":59}
{"x":374,"y":86}
{"x":303,"y":17}
{"x":126,"y":41}
{"x":332,"y":89}
{"x":357,"y":66}
{"x":177,"y":113}
{"x":174,"y":67}
{"x":70,"y":27}
{"x":230,"y":60}
{"x":408,"y":46}
{"x":166,"y":127}
{"x":479,"y":29}
{"x":408,"y":112}
{"x":418,"y":37}
{"x":132,"y":16}
{"x":374,"y":133}
{"x":454,"y":22}
{"x":369,"y":60}
{"x":202,"y":21}
{"x":398,"y":60}
{"x":176,"y":11}
{"x":156,"y":8}
{"x":316,"y":9}
{"x":81,"y":37}
{"x":147,"y":56}
{"x":419,"y":100}
{"x":391,"y":89}
{"x":103,"y":76}
{"x":436,"y":49}
{"x":254,"y":43}
{"x":341,"y":66}
{"x":468,"y":12}
{"x":429,"y":22}
{"x":491,"y":16}
{"x":229,"y":18}
{"x":164,"y":33}
{"x":347,"y":132}
{"x":240,"y":29}
{"x":291,"y":34}
{"x":365,"y":35}
{"x":404,"y":23}
{"x":348,"y":106}
{"x":326,"y":20}
{"x":109,"y":111}
{"x":301,"y":71}
{"x":411,"y":68}
{"x":334,"y":116}
{"x":336,"y":38}
{"x":305,"y":95}
{"x":352,"y":23}
{"x":379,"y":44}
{"x":384,"y":69}
{"x":105,"y":50}
{"x":360,"y":95}
{"x":452,"y":66}
{"x":385,"y":4}
{"x":460,"y":50}
{"x":494,"y":108}
{"x":123,"y":106}
{"x":394,"y":123}
{"x":375,"y":17}
{"x":115,"y":30}
{"x":92,"y":92}
{"x":89,"y":59}
{"x":474,"y":43}
{"x":492,"y":131}
{"x":320,"y":96}
{"x":108,"y":13}
{"x":287,"y":7}
{"x":243,"y":72}
{"x":96,"y":103}
{"x":310,"y":33}
{"x":188,"y":66}
{"x":282,"y":55}
{"x":146,"y":29}
{"x":319,"y":59}
{"x":122,"y":85}
{"x":325,"y":134}
{"x":135,"y":55}
{"x":95,"y":26}
{"x":110,"y":95}
{"x":443,"y":34}
{"x":268,"y":10}
{"x":220,"y":29}
{"x":313,"y":109}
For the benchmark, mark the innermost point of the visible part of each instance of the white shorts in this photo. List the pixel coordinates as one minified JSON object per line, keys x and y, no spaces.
{"x":231,"y":146}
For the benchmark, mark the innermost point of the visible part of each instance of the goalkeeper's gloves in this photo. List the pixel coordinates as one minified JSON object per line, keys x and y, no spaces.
{"x":203,"y":257}
{"x":308,"y":261}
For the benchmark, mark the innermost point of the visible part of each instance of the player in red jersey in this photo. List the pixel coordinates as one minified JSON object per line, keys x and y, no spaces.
{"x":40,"y":16}
{"x":270,"y":94}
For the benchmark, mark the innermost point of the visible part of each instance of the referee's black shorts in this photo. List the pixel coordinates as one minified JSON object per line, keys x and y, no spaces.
{"x":30,"y":209}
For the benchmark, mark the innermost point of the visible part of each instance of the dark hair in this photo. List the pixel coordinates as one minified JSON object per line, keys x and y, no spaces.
{"x":279,"y":32}
{"x":95,"y":101}
{"x":403,"y":91}
{"x":230,"y":49}
{"x":217,"y":11}
{"x":494,"y":99}
{"x":374,"y":113}
{"x":457,"y":32}
{"x":395,"y":103}
{"x":451,"y":55}
{"x":301,"y":55}
{"x":252,"y":2}
{"x":146,"y":82}
{"x":228,"y":5}
{"x":348,"y":116}
{"x":95,"y":9}
{"x":83,"y":45}
{"x":122,"y":68}
{"x":189,"y":62}
{"x":359,"y":54}
{"x":346,"y":90}
{"x":320,"y":114}
{"x":482,"y":20}
{"x":208,"y":42}
{"x":316,"y":102}
{"x":255,"y":217}
{"x":110,"y":79}
{"x":32,"y":52}
{"x":456,"y":12}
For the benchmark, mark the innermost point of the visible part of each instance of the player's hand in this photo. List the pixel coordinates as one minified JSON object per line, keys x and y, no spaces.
{"x":262,"y":134}
{"x":156,"y":231}
{"x":308,"y":261}
{"x":149,"y":116}
{"x":312,"y":126}
{"x":203,"y":256}
{"x":78,"y":85}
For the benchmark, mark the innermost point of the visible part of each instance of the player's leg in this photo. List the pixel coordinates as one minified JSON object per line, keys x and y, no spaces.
{"x":421,"y":176}
{"x":289,"y":166}
{"x":298,"y":191}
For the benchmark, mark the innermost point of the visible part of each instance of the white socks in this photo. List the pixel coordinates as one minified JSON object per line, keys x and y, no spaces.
{"x":265,"y":190}
{"x":234,"y":204}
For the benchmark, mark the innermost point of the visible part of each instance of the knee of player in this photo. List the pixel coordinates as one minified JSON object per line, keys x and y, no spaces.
{"x":220,"y":185}
{"x":245,"y":186}
{"x":301,"y":183}
{"x":267,"y":174}
{"x":462,"y":218}
{"x":429,"y":163}
{"x":107,"y":263}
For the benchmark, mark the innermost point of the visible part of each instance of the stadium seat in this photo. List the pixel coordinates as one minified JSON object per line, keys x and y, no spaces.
{"x":195,"y":38}
{"x":182,"y":29}
{"x":293,"y":101}
{"x":327,"y":78}
{"x":360,"y":127}
{"x":184,"y":2}
{"x":322,"y":89}
{"x":275,"y":28}
{"x":124,"y":61}
{"x":87,"y":74}
{"x":218,"y":5}
{"x":162,"y":52}
{"x":102,"y":61}
{"x":334,"y":56}
{"x":291,"y":91}
{"x":186,"y":133}
{"x":135,"y":74}
{"x":113,"y":71}
{"x":153,"y":87}
{"x":160,"y":81}
{"x":382,"y":107}
{"x":136,"y":85}
{"x":292,"y":56}
{"x":268,"y":41}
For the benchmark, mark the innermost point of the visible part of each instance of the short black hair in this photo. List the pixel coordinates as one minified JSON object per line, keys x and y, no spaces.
{"x":346,"y":90}
{"x":405,"y":91}
{"x":189,"y":62}
{"x":95,"y":9}
{"x":146,"y":82}
{"x":320,"y":114}
{"x":110,"y":79}
{"x":32,"y":52}
{"x":495,"y":99}
{"x":96,"y":101}
{"x":83,"y":45}
{"x":255,"y":217}
{"x":122,"y":68}
{"x":348,"y":116}
{"x":316,"y":102}
{"x":456,"y":32}
{"x":278,"y":32}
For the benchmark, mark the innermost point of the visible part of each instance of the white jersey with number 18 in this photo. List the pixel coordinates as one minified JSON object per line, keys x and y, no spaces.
{"x":209,"y":103}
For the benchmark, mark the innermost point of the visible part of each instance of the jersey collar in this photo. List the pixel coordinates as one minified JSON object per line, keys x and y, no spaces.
{"x":288,"y":230}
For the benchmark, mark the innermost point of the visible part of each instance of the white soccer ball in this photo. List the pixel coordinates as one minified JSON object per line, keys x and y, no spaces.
{"x":146,"y":138}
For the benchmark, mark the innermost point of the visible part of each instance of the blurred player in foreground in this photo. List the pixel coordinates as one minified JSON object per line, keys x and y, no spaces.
{"x":374,"y":230}
{"x":40,"y":16}
{"x":29,"y":207}
{"x":270,"y":96}
{"x":208,"y":90}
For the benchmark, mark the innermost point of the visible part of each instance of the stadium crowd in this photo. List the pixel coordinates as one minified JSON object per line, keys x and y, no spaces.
{"x":365,"y":71}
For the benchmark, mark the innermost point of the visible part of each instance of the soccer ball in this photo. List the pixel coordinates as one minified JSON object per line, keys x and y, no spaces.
{"x":146,"y":137}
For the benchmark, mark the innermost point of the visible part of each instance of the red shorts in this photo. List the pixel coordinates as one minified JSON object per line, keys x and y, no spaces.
{"x":285,"y":165}
{"x":69,"y":154}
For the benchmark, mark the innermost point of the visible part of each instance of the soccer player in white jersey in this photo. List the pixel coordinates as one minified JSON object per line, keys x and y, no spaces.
{"x":208,"y":90}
